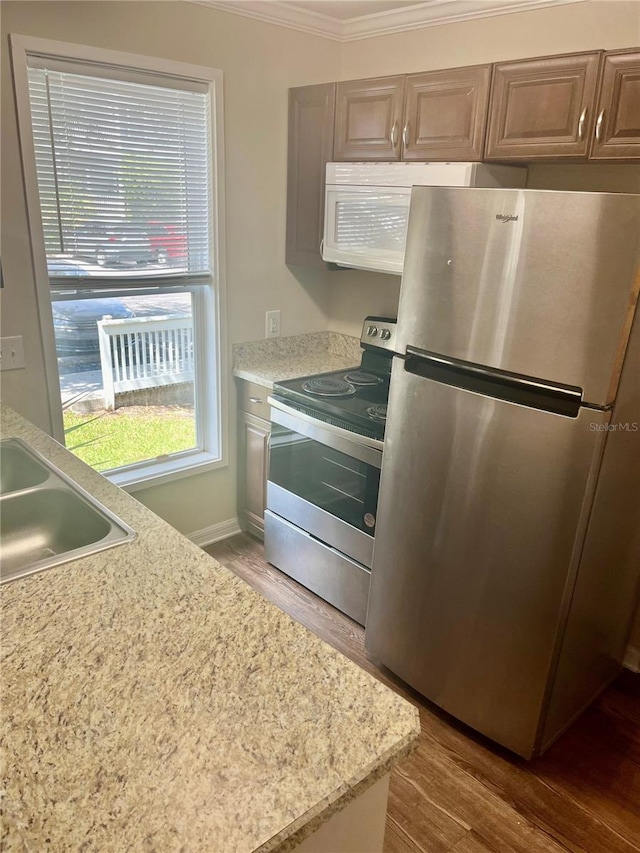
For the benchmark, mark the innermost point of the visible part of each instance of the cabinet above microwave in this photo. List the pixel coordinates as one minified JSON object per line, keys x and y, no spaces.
{"x":367,"y":206}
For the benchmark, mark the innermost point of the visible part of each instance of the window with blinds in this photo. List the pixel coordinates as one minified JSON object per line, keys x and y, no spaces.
{"x":124,"y":182}
{"x":123,"y":171}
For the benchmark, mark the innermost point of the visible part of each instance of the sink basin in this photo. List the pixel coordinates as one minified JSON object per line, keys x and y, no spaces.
{"x":18,"y":468}
{"x":45,"y":517}
{"x":45,"y":523}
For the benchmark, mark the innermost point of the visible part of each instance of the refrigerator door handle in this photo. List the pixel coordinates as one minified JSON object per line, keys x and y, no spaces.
{"x":500,"y":384}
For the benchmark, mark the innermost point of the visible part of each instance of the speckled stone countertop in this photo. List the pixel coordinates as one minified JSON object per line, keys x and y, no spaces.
{"x":152,"y":701}
{"x":268,"y":361}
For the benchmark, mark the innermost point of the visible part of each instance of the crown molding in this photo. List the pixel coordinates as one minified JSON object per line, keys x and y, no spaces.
{"x":432,"y":13}
{"x":281,"y":14}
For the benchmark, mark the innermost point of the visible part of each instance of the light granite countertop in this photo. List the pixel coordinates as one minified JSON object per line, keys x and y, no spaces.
{"x":267,"y":361}
{"x":152,"y":701}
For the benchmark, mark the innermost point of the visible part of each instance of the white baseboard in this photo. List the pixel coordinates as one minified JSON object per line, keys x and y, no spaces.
{"x":215,"y":533}
{"x":632,"y":659}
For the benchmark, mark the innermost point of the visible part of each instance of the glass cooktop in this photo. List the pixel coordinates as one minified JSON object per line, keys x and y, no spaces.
{"x":354,"y":399}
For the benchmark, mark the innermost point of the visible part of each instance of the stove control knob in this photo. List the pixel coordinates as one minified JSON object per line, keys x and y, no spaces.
{"x":372,"y":331}
{"x":385,"y":334}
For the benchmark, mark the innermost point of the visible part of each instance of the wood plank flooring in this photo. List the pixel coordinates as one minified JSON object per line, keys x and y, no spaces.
{"x":458,"y":792}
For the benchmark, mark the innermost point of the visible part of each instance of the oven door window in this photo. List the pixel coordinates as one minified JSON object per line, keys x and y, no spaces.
{"x":333,"y":481}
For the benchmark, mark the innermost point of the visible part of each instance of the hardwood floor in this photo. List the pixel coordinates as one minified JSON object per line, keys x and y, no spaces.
{"x":460,"y":793}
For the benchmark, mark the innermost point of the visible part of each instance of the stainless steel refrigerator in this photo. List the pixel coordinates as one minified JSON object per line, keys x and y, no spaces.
{"x":507,"y":547}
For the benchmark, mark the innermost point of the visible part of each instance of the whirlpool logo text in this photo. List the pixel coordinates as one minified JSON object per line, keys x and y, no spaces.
{"x":507,"y":217}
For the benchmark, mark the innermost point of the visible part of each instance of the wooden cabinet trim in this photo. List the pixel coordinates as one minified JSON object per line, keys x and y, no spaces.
{"x":463,"y":139}
{"x":617,"y":123}
{"x":254,"y":429}
{"x":353,"y":122}
{"x":256,"y":433}
{"x":576,"y":74}
{"x":310,"y":148}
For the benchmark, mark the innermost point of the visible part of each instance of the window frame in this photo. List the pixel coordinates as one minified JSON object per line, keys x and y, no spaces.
{"x":209,"y":300}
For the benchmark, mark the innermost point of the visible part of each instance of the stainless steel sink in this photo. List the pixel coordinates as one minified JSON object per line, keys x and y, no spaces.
{"x":45,"y":518}
{"x":18,"y":468}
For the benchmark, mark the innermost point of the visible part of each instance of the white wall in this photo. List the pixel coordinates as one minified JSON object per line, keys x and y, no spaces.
{"x":581,"y":26}
{"x":260,"y":62}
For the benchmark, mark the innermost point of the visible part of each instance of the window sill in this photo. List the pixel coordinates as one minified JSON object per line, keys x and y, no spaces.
{"x":158,"y":473}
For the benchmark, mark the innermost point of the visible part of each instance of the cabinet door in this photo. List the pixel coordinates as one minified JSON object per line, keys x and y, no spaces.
{"x":617,"y":130}
{"x":311,"y":110}
{"x":446,"y":114}
{"x":254,"y":466}
{"x":369,"y":119}
{"x":542,"y":108}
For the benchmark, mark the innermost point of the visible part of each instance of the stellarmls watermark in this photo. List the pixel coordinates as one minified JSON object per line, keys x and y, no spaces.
{"x":632,"y":426}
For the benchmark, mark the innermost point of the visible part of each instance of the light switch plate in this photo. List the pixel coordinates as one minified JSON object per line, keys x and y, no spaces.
{"x":272,"y":324}
{"x":11,"y":353}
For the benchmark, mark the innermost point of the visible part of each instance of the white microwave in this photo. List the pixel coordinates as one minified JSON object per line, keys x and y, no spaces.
{"x":367,"y":206}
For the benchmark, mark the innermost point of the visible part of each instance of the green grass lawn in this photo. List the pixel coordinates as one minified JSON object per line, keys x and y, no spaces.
{"x":131,"y":434}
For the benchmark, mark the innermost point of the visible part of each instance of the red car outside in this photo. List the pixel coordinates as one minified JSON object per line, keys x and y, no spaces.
{"x":168,"y":244}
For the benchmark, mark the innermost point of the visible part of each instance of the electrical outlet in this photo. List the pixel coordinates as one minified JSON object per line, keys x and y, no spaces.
{"x":11,"y":353}
{"x":272,"y":324}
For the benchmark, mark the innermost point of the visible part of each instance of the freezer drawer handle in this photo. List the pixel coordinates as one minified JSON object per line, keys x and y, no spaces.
{"x":499,"y":384}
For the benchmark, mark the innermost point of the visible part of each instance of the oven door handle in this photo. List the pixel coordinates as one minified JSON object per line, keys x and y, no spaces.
{"x":367,"y":450}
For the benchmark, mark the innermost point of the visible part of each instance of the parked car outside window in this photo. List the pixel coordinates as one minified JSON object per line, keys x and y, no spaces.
{"x":168,"y":244}
{"x":109,"y":245}
{"x":75,"y":323}
{"x":128,"y":243}
{"x":69,"y":265}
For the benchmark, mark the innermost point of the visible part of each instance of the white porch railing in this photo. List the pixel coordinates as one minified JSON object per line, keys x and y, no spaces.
{"x":144,"y":352}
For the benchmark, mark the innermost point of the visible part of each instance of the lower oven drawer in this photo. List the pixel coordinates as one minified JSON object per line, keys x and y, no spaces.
{"x":323,"y":570}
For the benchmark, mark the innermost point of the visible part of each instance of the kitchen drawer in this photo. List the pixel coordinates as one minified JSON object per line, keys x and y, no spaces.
{"x":325,"y":571}
{"x":252,"y":398}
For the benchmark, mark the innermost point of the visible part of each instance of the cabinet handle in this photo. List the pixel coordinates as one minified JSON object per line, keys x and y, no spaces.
{"x":394,"y":134}
{"x":405,"y":135}
{"x":581,"y":123}
{"x":599,"y":126}
{"x":255,"y":400}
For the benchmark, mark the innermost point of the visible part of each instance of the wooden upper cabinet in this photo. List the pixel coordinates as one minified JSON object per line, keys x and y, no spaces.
{"x":543,"y":108}
{"x":369,"y":119}
{"x":311,"y":110}
{"x":446,"y":114}
{"x":617,"y":128}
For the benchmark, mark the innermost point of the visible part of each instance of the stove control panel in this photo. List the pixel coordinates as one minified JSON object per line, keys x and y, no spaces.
{"x":379,"y":332}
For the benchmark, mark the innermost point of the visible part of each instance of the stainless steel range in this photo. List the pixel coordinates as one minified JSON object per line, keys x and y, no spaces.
{"x":327,"y":436}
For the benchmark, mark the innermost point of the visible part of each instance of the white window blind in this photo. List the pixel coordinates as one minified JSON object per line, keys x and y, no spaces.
{"x":123,"y":173}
